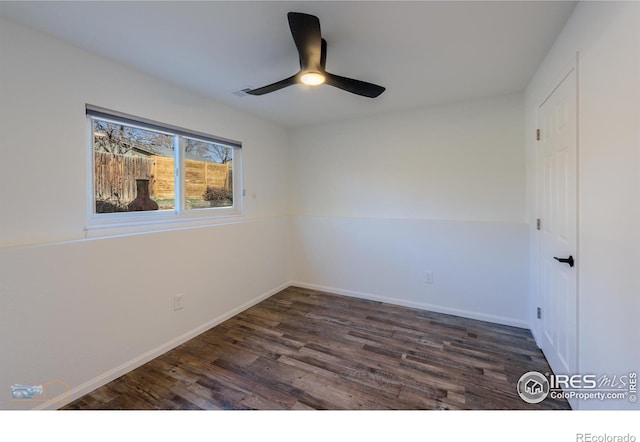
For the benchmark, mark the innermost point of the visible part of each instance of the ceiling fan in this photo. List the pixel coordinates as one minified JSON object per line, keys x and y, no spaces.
{"x":312,"y":49}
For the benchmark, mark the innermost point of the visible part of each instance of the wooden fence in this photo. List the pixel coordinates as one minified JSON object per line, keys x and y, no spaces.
{"x":116,"y":175}
{"x":198,"y":176}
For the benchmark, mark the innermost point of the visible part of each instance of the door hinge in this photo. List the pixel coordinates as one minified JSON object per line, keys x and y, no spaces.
{"x":538,"y":223}
{"x":537,"y":134}
{"x":539,"y":313}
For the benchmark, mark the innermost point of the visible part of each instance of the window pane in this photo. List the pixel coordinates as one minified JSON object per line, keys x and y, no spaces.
{"x":133,"y":168}
{"x":208,"y":174}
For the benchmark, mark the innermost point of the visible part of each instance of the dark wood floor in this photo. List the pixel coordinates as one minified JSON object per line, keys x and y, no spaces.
{"x":303,"y":349}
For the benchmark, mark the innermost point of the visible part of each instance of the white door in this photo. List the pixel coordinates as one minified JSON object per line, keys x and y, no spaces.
{"x":557,"y":240}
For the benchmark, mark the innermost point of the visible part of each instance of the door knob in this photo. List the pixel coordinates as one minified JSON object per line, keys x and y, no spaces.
{"x":568,"y":260}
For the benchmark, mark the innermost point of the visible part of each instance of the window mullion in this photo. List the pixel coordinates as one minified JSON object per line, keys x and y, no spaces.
{"x":179,"y":174}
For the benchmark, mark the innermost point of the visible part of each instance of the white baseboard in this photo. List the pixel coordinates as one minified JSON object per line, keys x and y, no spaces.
{"x":134,"y":363}
{"x":422,"y":306}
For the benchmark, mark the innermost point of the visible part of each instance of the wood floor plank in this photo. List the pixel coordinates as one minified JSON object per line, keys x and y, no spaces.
{"x":306,"y":349}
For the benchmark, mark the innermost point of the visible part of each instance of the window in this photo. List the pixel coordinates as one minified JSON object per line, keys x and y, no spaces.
{"x":143,"y":169}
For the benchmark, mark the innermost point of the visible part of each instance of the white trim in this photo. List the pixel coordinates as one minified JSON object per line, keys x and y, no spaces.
{"x":504,"y":320}
{"x":160,"y":225}
{"x":136,"y":362}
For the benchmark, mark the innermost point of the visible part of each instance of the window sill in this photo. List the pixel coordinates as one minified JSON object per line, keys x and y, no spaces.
{"x":148,"y":222}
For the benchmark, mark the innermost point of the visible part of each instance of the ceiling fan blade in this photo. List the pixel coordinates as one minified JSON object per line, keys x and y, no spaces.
{"x":323,"y":54}
{"x":273,"y":87}
{"x":354,"y":86}
{"x":305,"y":30}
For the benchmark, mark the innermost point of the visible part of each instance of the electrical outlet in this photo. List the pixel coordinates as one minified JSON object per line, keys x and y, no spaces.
{"x":428,"y":277}
{"x":178,"y":301}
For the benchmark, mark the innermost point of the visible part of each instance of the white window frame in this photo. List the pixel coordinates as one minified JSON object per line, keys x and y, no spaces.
{"x":99,"y":224}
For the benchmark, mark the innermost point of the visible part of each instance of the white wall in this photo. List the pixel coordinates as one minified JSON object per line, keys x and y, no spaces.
{"x":379,"y":201}
{"x":607,"y":37}
{"x":83,"y":311}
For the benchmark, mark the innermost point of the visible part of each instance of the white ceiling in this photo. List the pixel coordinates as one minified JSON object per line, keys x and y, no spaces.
{"x":423,"y":52}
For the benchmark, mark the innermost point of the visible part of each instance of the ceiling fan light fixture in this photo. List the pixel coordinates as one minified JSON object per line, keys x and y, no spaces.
{"x":312,"y":78}
{"x":312,"y":53}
